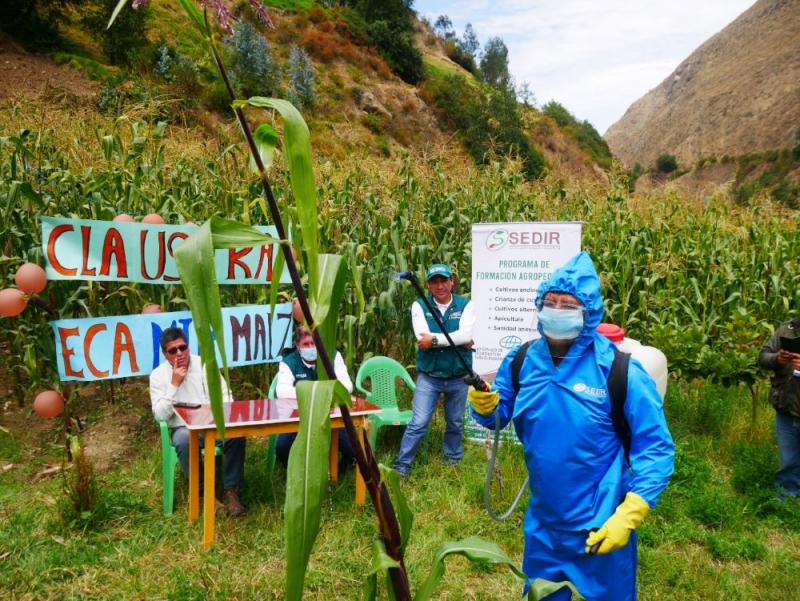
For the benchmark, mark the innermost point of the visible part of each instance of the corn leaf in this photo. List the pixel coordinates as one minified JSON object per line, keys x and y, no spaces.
{"x":195,"y":261}
{"x":541,"y":588}
{"x":266,"y":138}
{"x":297,"y":147}
{"x":196,"y":16}
{"x":233,"y":234}
{"x":404,"y":514}
{"x":307,"y":477}
{"x":277,"y":267}
{"x":120,"y":5}
{"x":473,"y":548}
{"x":381,"y":563}
{"x":326,"y":296}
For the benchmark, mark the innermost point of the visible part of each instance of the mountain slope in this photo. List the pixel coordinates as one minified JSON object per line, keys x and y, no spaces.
{"x":362,"y":109}
{"x":738,"y":92}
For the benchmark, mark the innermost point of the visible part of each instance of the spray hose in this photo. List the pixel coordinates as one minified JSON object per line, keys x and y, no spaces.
{"x":490,"y":469}
{"x":474,"y":380}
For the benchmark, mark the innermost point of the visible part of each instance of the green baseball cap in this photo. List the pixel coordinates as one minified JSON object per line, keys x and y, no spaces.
{"x":439,"y":269}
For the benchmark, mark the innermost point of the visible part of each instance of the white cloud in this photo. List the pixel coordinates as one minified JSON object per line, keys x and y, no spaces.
{"x":595,"y":57}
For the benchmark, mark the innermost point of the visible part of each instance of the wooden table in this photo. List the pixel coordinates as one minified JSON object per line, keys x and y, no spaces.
{"x":257,"y":417}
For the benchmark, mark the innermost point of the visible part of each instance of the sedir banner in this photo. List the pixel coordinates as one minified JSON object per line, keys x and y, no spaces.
{"x":509,"y":261}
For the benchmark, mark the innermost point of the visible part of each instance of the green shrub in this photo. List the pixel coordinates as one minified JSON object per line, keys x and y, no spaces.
{"x":742,"y":194}
{"x":584,"y":132}
{"x":302,"y":78}
{"x":702,"y":407}
{"x":692,"y":471}
{"x":459,"y":56}
{"x":390,"y":27}
{"x":34,"y":23}
{"x":108,"y":100}
{"x":124,"y":43}
{"x":633,"y":175}
{"x":486,"y":123}
{"x":666,"y":163}
{"x":178,"y":69}
{"x":508,"y":135}
{"x":397,"y":47}
{"x":255,"y":72}
{"x":373,"y":123}
{"x":787,"y":193}
{"x":704,"y":161}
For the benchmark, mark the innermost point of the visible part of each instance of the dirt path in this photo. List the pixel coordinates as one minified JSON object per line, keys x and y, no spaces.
{"x":30,"y":75}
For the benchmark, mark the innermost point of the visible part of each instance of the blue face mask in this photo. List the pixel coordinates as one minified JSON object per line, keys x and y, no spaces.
{"x":561,"y":324}
{"x":309,"y":355}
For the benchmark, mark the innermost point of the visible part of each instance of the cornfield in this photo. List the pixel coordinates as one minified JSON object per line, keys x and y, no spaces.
{"x":704,"y":283}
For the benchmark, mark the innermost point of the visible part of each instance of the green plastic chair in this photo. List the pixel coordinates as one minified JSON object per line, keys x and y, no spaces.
{"x":169,"y":459}
{"x":382,"y":373}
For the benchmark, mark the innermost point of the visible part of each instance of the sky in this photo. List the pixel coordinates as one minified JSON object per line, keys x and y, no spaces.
{"x":596,"y":57}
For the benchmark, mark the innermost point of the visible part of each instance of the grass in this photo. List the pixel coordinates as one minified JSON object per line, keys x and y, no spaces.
{"x":706,"y":540}
{"x":436,"y":66}
{"x":94,"y":69}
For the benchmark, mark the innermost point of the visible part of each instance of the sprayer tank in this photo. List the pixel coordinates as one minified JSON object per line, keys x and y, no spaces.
{"x":652,"y":359}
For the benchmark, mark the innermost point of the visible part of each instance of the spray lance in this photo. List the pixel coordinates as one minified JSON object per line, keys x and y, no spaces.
{"x":474,"y":380}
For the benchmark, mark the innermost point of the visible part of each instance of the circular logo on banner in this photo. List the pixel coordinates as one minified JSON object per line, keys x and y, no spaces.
{"x":497,"y":240}
{"x":508,"y":342}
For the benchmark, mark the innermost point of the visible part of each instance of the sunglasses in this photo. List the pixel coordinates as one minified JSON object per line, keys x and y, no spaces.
{"x":177,"y":349}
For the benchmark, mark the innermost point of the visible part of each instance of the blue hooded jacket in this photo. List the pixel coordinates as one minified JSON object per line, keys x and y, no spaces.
{"x":562,"y":415}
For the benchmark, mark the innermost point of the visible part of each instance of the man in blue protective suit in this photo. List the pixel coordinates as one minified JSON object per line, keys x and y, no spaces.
{"x":586,"y":499}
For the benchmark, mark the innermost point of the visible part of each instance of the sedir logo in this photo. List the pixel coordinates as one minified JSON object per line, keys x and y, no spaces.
{"x":497,"y":239}
{"x":508,"y":342}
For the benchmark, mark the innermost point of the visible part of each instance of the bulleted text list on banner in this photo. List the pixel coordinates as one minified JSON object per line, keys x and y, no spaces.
{"x":509,"y":261}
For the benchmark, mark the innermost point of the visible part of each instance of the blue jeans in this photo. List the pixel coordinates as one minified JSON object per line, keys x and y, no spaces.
{"x":232,"y":454}
{"x":426,"y":397}
{"x":787,"y":478}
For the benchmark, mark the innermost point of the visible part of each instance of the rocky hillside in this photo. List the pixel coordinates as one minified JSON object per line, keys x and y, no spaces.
{"x":738,"y":92}
{"x":374,"y":113}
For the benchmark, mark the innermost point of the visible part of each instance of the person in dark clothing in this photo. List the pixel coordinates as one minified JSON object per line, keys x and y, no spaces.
{"x":785,"y":398}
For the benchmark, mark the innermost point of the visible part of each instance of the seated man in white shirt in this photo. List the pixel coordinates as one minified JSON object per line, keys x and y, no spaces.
{"x":301,"y":365}
{"x":181,"y":378}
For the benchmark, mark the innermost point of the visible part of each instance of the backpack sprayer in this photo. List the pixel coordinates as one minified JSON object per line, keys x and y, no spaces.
{"x":474,"y":380}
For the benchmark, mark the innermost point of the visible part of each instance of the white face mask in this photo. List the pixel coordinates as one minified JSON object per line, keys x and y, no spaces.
{"x":309,"y":355}
{"x":561,"y":324}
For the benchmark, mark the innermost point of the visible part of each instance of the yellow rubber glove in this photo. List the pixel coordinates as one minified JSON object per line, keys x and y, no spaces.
{"x":483,"y":402}
{"x":615,"y":532}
